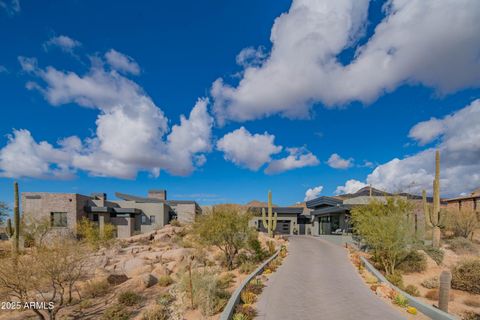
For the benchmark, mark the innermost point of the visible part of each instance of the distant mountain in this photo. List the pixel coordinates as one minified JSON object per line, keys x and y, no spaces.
{"x":256,"y":203}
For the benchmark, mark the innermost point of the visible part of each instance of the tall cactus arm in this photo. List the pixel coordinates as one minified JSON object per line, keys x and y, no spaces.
{"x":426,"y":209}
{"x":9,"y":228}
{"x":274,"y":222}
{"x":16,"y":217}
{"x":264,"y":219}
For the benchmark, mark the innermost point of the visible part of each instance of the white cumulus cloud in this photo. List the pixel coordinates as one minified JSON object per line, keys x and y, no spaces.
{"x":351,"y":186}
{"x":131,"y":134}
{"x":313,"y":193}
{"x":248,"y":150}
{"x":122,"y":62}
{"x":459,"y":144}
{"x":337,"y":162}
{"x":65,"y":43}
{"x":302,"y":67}
{"x":297,"y":158}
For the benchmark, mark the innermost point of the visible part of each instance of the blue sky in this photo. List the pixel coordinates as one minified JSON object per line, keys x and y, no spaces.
{"x":360,"y":83}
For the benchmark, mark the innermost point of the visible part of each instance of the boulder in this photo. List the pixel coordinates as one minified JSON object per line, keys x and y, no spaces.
{"x":116,"y":279}
{"x":149,"y":280}
{"x":176,"y":255}
{"x":135,"y":266}
{"x":163,"y":237}
{"x":160,"y":270}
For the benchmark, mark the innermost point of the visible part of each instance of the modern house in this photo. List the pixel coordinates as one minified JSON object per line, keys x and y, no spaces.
{"x":290,"y":220}
{"x":467,"y":202}
{"x":130,"y":214}
{"x":331,"y":215}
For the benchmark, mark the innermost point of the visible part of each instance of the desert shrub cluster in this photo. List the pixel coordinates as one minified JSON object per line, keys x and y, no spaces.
{"x":466,"y":276}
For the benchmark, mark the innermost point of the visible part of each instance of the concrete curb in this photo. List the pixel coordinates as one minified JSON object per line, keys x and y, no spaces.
{"x":428,"y":310}
{"x":235,"y":298}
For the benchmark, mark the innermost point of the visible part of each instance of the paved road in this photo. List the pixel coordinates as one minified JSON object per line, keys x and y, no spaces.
{"x":317,"y":281}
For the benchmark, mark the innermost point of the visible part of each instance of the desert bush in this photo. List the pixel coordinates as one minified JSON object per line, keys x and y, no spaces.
{"x":435,"y":253}
{"x":431,"y":283}
{"x":470,"y":315}
{"x":89,"y":232}
{"x":97,"y":288}
{"x":385,"y":228}
{"x":55,"y":270}
{"x":255,"y":247}
{"x":165,"y":280}
{"x":412,"y":290}
{"x":396,"y":279}
{"x":270,"y":247}
{"x":175,"y":223}
{"x":466,"y":276}
{"x":400,"y":300}
{"x":434,"y":293}
{"x":461,"y":245}
{"x":225,"y":280}
{"x":165,"y":299}
{"x":226,"y":228}
{"x":369,"y":278}
{"x":248,"y":297}
{"x":116,"y":312}
{"x":462,"y":223}
{"x":472,"y":302}
{"x":414,"y":261}
{"x":158,"y":312}
{"x":207,"y":292}
{"x":129,"y":298}
{"x":247,"y":267}
{"x":255,"y":286}
{"x":240,"y":316}
{"x":247,"y":310}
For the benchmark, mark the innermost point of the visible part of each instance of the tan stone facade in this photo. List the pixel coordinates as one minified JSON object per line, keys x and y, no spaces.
{"x":468,"y":202}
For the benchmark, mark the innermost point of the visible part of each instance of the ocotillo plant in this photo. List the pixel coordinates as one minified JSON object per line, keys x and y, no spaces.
{"x":16,"y":218}
{"x":270,"y":222}
{"x":433,"y":215}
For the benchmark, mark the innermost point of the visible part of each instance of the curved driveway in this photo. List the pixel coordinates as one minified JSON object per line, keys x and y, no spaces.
{"x":317,"y":281}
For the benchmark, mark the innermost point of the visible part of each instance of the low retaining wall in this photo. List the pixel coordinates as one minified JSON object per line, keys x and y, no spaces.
{"x":235,"y":298}
{"x":426,"y":309}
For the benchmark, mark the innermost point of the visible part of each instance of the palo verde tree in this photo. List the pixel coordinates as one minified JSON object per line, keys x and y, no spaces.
{"x":386,"y":229}
{"x":227,"y":228}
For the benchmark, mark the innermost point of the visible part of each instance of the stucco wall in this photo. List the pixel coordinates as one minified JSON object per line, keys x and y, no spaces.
{"x":159,"y":210}
{"x":186,"y":212}
{"x":40,"y":205}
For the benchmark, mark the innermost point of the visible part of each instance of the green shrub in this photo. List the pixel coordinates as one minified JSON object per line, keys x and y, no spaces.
{"x":247,"y":310}
{"x":225,"y":280}
{"x":412,"y":290}
{"x":240,"y":316}
{"x":256,"y":249}
{"x":89,"y":232}
{"x":466,"y":276}
{"x":247,"y":267}
{"x":431,"y":283}
{"x":435,"y":253}
{"x":414,"y":262}
{"x":255,"y":287}
{"x":208,"y":294}
{"x":94,"y":289}
{"x":116,"y":312}
{"x":156,"y":313}
{"x":462,"y":246}
{"x":395,"y":279}
{"x":400,"y":300}
{"x":165,"y":299}
{"x":165,"y":281}
{"x":129,"y":298}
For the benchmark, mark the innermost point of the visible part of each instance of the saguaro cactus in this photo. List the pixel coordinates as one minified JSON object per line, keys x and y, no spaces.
{"x":9,"y":228}
{"x":16,"y":218}
{"x":270,"y":222}
{"x":433,"y":215}
{"x":444,"y":292}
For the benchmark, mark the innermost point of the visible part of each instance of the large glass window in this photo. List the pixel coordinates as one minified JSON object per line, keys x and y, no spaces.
{"x":59,"y":219}
{"x":152,"y":219}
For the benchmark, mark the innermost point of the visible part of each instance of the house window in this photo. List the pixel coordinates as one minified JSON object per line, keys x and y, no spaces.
{"x":59,"y":219}
{"x":144,"y":219}
{"x":152,"y":219}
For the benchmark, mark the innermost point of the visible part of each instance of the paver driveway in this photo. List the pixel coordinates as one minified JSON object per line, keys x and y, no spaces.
{"x":317,"y":281}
